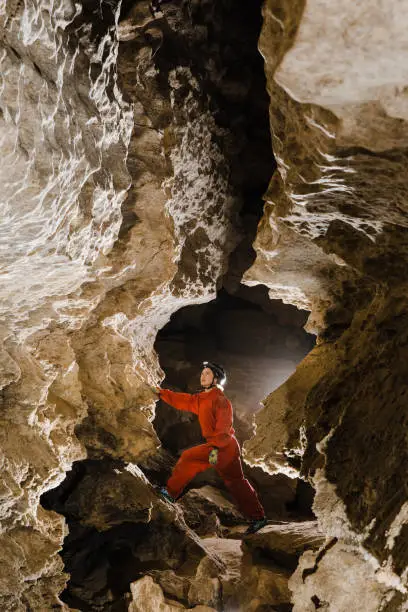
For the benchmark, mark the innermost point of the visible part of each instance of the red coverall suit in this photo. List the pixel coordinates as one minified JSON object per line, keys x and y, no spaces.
{"x":214,"y":412}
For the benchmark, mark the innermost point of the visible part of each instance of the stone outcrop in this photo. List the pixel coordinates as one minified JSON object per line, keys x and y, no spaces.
{"x":206,"y":508}
{"x":148,"y":597}
{"x":119,"y":530}
{"x":257,"y":569}
{"x":286,"y":542}
{"x":335,"y":229}
{"x":331,"y":582}
{"x":252,"y":572}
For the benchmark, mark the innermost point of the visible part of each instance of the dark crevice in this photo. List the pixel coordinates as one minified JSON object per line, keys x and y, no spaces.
{"x":218,"y":44}
{"x":102,"y":561}
{"x":318,"y":604}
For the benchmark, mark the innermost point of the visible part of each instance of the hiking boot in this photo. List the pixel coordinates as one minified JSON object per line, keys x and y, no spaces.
{"x":163,"y":492}
{"x":256,"y":525}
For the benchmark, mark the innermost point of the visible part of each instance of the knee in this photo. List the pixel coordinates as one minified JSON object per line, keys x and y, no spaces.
{"x":180,"y":463}
{"x":184,"y":458}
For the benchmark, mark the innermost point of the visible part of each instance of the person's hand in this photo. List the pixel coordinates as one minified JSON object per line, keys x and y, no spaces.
{"x":213,"y":456}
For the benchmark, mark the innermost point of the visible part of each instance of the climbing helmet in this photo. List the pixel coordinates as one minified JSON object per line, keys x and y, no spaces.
{"x":217,"y":370}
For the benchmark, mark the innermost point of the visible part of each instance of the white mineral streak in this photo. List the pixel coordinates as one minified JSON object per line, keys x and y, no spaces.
{"x":51,"y":238}
{"x":333,"y":521}
{"x":400,"y":520}
{"x":345,"y":569}
{"x":201,"y":197}
{"x":331,"y":512}
{"x":342,"y":573}
{"x":193,"y":182}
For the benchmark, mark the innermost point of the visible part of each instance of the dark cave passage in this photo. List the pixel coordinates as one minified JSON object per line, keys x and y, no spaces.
{"x":112,"y":539}
{"x":259,"y":342}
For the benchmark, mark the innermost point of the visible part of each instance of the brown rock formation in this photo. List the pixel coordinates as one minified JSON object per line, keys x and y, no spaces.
{"x":249,"y":576}
{"x":148,"y":597}
{"x":100,"y":250}
{"x":335,"y":229}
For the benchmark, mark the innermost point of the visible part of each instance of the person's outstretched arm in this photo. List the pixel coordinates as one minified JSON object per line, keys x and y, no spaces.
{"x":181,"y":401}
{"x":223,"y":423}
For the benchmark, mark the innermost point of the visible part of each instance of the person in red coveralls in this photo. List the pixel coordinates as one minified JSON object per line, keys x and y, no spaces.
{"x":221,"y":449}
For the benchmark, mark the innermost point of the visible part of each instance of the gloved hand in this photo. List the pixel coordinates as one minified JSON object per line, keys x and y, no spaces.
{"x":213,"y":456}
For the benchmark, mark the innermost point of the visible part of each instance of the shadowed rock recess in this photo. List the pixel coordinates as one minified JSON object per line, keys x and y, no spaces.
{"x":136,"y":149}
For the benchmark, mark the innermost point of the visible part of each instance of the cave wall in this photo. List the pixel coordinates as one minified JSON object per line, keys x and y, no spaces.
{"x":107,"y":190}
{"x":335,"y":228}
{"x":118,"y":208}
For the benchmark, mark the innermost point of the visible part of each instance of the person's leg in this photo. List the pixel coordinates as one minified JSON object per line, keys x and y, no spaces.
{"x":191,"y":462}
{"x":229,"y":468}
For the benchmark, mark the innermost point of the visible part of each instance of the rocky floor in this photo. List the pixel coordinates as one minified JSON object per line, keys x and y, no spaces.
{"x":128,"y":549}
{"x":239,"y":573}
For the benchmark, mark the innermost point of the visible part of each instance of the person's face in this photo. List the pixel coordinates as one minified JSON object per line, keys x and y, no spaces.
{"x":206,"y":378}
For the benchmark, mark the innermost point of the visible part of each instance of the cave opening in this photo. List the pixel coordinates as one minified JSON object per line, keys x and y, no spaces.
{"x":260,"y":343}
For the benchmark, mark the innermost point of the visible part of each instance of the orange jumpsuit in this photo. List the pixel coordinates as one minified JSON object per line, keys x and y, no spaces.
{"x":214,"y":412}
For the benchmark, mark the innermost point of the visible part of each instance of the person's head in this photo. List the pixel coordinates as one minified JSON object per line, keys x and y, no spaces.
{"x":212,"y":375}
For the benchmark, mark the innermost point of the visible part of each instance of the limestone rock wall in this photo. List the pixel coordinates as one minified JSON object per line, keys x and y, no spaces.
{"x":112,"y":175}
{"x":334,"y":239}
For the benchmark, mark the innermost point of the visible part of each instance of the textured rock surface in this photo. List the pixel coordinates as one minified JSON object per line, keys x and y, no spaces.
{"x":148,"y":597}
{"x":333,"y":581}
{"x":106,"y":192}
{"x":334,"y":239}
{"x":247,"y":583}
{"x":119,"y":530}
{"x":286,"y":542}
{"x":240,"y":581}
{"x":206,"y":508}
